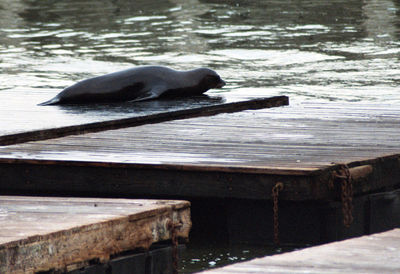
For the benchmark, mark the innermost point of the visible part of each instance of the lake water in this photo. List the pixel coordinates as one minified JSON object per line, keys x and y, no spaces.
{"x":319,"y":51}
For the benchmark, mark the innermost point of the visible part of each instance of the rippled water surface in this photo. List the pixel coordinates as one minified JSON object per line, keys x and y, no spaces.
{"x":309,"y":50}
{"x":313,"y":51}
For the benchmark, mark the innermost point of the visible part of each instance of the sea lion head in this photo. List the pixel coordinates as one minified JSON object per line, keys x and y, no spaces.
{"x":210,"y":79}
{"x":201,"y":80}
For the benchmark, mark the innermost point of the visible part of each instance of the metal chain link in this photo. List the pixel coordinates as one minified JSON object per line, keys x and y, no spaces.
{"x":347,"y":194}
{"x":275,"y":194}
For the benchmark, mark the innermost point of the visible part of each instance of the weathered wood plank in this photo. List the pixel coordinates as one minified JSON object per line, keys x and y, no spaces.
{"x":239,"y":155}
{"x":377,"y":253}
{"x":138,"y":182}
{"x":42,"y":233}
{"x":255,"y":138}
{"x":43,"y":134}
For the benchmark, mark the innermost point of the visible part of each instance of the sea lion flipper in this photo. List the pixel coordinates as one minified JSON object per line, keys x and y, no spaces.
{"x":152,"y":93}
{"x":50,"y":102}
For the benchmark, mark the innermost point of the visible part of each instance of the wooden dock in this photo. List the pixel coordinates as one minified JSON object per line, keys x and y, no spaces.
{"x":313,"y":149}
{"x":21,"y":114}
{"x":43,"y":234}
{"x":102,"y":117}
{"x":237,"y":155}
{"x":377,"y":253}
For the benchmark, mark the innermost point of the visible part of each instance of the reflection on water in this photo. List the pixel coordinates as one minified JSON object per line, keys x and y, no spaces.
{"x":382,"y":22}
{"x":309,"y":50}
{"x":47,"y":45}
{"x":206,"y":257}
{"x":114,"y":110}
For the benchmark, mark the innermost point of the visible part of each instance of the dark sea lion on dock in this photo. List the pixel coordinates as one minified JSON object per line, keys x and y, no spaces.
{"x":138,"y":84}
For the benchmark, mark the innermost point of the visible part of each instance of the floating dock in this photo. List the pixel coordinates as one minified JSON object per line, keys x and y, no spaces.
{"x":41,"y":234}
{"x":28,"y":118}
{"x":237,"y":155}
{"x":377,"y":253}
{"x":315,"y":151}
{"x":100,"y":116}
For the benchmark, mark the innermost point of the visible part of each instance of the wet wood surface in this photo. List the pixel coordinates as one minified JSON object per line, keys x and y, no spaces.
{"x":377,"y":253}
{"x":312,"y":137}
{"x":236,"y":155}
{"x":125,"y":116}
{"x":43,"y":233}
{"x":22,"y":113}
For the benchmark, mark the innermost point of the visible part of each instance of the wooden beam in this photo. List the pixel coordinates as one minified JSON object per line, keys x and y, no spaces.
{"x":44,"y":233}
{"x":360,"y":172}
{"x":142,"y":120}
{"x":25,"y":176}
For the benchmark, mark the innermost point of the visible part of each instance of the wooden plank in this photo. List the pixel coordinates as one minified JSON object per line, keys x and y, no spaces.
{"x":264,"y":139}
{"x":43,"y":233}
{"x":384,"y":210}
{"x":377,"y":253}
{"x":140,"y":182}
{"x":28,"y":116}
{"x":240,"y":155}
{"x":43,"y":134}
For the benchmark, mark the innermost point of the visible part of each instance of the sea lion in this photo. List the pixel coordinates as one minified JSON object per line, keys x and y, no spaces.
{"x":138,"y":84}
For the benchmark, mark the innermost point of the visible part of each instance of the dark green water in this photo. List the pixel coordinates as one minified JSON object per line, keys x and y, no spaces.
{"x":198,"y":257}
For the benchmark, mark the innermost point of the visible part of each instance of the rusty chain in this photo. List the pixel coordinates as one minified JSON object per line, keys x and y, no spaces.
{"x":343,"y":174}
{"x":275,"y":194}
{"x":172,"y":227}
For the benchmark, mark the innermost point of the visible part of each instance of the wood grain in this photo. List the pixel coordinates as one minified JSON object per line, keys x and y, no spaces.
{"x":137,"y":120}
{"x":263,"y":138}
{"x":238,"y":155}
{"x":42,"y":233}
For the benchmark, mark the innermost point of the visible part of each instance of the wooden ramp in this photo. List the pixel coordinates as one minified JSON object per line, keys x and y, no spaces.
{"x":21,"y":114}
{"x":99,"y":117}
{"x":237,"y":155}
{"x":42,"y":233}
{"x":378,"y":253}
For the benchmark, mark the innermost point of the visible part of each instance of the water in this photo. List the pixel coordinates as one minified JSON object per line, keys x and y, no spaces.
{"x":207,"y":256}
{"x":319,"y":51}
{"x":309,"y":50}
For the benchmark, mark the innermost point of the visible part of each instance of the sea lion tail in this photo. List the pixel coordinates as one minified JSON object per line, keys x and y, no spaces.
{"x":50,"y":102}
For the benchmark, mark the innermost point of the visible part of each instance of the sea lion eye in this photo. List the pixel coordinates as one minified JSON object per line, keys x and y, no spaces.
{"x":214,"y":78}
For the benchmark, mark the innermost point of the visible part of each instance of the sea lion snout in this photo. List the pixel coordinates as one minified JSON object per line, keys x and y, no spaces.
{"x":220,"y":84}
